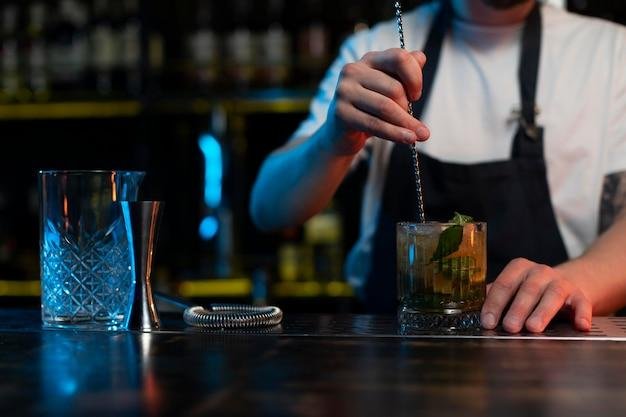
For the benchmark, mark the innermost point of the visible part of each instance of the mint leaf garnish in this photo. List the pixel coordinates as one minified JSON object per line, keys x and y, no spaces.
{"x":449,"y":242}
{"x":451,"y":238}
{"x":461,"y":219}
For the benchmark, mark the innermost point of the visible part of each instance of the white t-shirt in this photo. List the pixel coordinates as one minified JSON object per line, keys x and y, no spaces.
{"x":581,"y":98}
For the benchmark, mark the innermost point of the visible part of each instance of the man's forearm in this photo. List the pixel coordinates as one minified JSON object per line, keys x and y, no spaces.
{"x":296,"y":182}
{"x":601,"y":271}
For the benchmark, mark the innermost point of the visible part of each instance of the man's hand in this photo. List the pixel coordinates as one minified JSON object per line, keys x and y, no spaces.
{"x":372,"y":98}
{"x":536,"y":293}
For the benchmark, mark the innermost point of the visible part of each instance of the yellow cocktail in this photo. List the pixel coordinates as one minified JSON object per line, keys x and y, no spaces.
{"x":441,"y":274}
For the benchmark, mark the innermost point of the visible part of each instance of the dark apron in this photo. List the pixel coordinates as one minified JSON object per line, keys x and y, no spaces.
{"x":511,"y":196}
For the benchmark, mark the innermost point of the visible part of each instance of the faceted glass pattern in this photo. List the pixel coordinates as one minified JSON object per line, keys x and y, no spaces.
{"x":86,"y":251}
{"x":90,"y":281}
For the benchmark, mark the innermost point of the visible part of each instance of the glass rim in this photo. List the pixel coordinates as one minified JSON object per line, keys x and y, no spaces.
{"x":436,"y":223}
{"x":88,"y":171}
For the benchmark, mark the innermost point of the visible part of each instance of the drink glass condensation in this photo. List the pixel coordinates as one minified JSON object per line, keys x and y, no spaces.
{"x":441,"y":269}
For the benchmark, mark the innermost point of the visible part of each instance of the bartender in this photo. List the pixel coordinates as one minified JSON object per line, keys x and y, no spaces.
{"x":520,"y":111}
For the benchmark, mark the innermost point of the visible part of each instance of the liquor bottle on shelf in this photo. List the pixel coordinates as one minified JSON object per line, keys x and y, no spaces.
{"x":141,"y":49}
{"x":9,"y":54}
{"x":240,"y":46}
{"x":313,"y":43}
{"x":295,"y":257}
{"x":216,"y":228}
{"x":203,"y":48}
{"x":274,"y":48}
{"x":8,"y":240}
{"x":323,"y":240}
{"x":130,"y":48}
{"x":35,"y":53}
{"x":289,"y":261}
{"x":104,"y":48}
{"x":69,"y":48}
{"x":156,"y":57}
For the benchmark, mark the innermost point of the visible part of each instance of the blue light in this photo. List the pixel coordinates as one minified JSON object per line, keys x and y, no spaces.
{"x":67,"y":385}
{"x":208,"y":228}
{"x":213,"y":169}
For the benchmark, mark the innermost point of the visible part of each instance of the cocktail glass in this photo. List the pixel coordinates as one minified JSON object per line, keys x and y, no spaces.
{"x":441,"y":271}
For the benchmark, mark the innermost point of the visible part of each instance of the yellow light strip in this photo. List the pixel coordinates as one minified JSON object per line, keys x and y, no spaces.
{"x":131,"y":108}
{"x":339,"y":289}
{"x":228,"y":287}
{"x":312,"y":289}
{"x":297,"y":289}
{"x":231,"y":287}
{"x":20,"y":288}
{"x":70,"y":110}
{"x":268,"y":105}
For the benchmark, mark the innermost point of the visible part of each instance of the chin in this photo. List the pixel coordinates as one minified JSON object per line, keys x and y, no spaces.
{"x":504,"y":4}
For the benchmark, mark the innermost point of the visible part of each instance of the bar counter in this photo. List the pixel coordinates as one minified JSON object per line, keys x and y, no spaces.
{"x":311,"y":365}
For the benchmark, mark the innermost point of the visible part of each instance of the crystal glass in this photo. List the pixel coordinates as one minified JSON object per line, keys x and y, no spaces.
{"x":86,"y":259}
{"x":441,"y":275}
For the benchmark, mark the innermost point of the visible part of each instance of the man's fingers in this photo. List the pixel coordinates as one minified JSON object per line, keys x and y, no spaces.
{"x":421,"y":57}
{"x":583,"y":311}
{"x":388,"y":110}
{"x":552,"y":301}
{"x":536,"y":293}
{"x":502,"y":291}
{"x":373,"y":95}
{"x":402,"y":64}
{"x":364,"y":122}
{"x":529,"y":294}
{"x":386,"y":85}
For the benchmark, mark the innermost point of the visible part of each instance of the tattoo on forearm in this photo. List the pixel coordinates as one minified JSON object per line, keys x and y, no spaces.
{"x":613,"y":200}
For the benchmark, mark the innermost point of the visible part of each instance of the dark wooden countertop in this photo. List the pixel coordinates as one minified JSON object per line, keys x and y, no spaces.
{"x":314,"y":365}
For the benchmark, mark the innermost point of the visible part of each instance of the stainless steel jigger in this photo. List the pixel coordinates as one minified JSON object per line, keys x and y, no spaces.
{"x":144,"y":217}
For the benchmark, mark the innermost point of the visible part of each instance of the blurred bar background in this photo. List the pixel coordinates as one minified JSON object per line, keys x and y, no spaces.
{"x":196,"y":93}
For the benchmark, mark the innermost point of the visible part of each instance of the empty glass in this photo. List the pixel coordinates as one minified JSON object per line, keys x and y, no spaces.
{"x":86,"y":259}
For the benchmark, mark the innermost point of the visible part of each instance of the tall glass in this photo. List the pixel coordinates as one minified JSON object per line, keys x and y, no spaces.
{"x":86,"y":259}
{"x":441,"y":275}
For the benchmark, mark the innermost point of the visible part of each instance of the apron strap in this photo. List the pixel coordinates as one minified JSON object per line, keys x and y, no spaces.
{"x":528,"y":143}
{"x":432,"y":49}
{"x":529,"y":65}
